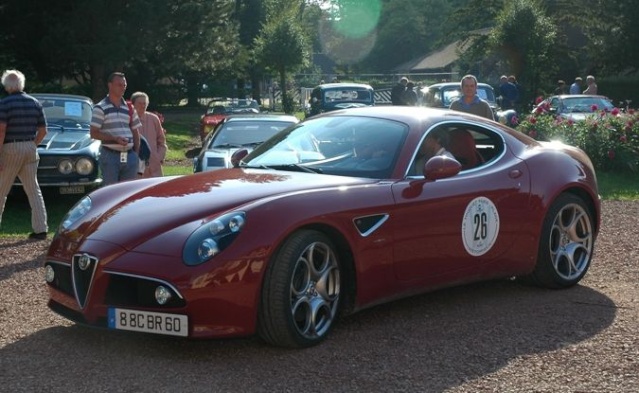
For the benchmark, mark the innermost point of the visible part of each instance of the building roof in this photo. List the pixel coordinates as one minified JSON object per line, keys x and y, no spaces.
{"x":439,"y":59}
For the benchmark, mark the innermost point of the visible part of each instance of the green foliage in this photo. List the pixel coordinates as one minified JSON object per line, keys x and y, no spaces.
{"x":611,"y":140}
{"x":282,"y":47}
{"x":524,"y":38}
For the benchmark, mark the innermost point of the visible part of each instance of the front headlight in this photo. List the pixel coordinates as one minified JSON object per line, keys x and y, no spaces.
{"x":84,"y":166}
{"x":78,"y":211}
{"x":65,"y":167}
{"x":212,"y":238}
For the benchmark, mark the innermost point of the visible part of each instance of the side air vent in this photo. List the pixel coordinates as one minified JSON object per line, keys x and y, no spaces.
{"x":368,"y":224}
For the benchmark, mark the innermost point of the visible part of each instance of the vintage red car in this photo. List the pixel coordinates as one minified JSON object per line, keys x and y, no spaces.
{"x":327,"y":217}
{"x":219,"y":108}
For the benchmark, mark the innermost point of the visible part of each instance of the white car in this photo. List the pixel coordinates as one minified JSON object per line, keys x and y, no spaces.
{"x":238,"y":132}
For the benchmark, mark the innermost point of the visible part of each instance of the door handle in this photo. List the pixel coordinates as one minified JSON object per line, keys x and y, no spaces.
{"x":515,"y":173}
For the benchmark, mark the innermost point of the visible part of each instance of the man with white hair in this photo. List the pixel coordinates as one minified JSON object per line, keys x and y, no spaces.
{"x":592,"y":86}
{"x":22,"y":128}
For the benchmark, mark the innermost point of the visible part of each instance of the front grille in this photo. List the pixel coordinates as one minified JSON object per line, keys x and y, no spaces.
{"x":82,"y":268}
{"x":62,"y":278}
{"x":134,"y":291}
{"x":215,"y":162}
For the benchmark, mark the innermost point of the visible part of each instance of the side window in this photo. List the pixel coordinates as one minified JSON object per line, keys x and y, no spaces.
{"x":473,"y":146}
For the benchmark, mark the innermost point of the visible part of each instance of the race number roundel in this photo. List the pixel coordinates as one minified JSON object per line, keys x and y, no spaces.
{"x":480,"y":226}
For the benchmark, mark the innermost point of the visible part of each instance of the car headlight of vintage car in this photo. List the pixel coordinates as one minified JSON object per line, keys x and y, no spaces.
{"x":65,"y":166}
{"x":77,"y":211}
{"x":212,"y":238}
{"x":84,"y":166}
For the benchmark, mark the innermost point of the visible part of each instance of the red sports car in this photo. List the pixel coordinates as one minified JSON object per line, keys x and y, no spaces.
{"x":326,"y":218}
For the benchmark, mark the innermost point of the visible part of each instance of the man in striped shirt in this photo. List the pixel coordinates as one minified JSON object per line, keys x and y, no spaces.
{"x":22,"y":128}
{"x":117,"y":125}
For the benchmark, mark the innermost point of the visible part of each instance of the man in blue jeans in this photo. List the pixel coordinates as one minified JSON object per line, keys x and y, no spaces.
{"x":117,"y":126}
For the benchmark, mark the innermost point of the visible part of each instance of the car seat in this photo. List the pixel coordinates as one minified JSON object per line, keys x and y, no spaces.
{"x":462,"y":146}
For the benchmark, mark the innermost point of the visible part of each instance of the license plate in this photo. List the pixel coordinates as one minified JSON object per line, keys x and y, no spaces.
{"x":72,"y":190}
{"x":148,"y":322}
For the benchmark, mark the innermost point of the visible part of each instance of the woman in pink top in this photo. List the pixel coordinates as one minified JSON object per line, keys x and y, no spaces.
{"x":153,"y":132}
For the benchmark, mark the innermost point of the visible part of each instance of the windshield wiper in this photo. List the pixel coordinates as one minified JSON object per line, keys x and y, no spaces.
{"x":298,"y":167}
{"x":223,"y":145}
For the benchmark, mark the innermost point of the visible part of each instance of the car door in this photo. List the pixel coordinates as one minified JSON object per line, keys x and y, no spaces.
{"x":464,"y":222}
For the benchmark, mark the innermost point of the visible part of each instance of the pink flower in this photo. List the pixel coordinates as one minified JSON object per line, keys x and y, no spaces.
{"x":532,"y":133}
{"x":538,"y":100}
{"x":571,"y":122}
{"x":532,"y":120}
{"x":615,"y":112}
{"x":515,"y":120}
{"x":594,"y":108}
{"x":623,"y":139}
{"x":611,"y":154}
{"x":539,"y":110}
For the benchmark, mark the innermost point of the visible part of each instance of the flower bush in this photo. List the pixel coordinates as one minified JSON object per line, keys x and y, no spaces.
{"x":611,"y":139}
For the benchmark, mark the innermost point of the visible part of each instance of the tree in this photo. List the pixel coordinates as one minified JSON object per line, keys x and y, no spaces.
{"x":283,"y":48}
{"x":524,"y":38}
{"x":87,"y":39}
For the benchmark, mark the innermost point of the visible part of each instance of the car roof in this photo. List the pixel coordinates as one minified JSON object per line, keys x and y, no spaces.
{"x":457,"y":84}
{"x":261,"y":117}
{"x":61,"y":96}
{"x":581,"y":96}
{"x":342,"y":85}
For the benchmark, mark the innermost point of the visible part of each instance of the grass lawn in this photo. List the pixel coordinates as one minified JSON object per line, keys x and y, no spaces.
{"x":183,"y":140}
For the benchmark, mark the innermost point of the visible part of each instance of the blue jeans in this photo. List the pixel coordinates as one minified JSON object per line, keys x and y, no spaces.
{"x":113,"y":170}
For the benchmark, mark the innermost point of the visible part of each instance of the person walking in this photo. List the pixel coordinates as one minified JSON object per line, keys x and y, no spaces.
{"x":410,"y":96}
{"x":592,"y":86}
{"x":153,"y":132}
{"x":117,"y":125}
{"x":575,"y":88}
{"x":561,"y":88}
{"x":22,"y":127}
{"x":469,"y":101}
{"x":397,"y":92}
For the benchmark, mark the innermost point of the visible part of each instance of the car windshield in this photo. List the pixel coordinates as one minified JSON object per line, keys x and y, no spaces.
{"x":450,"y":94}
{"x":245,"y":133}
{"x":340,"y":145}
{"x":219,"y":107}
{"x":586,"y":104}
{"x":66,"y":113}
{"x":350,"y":94}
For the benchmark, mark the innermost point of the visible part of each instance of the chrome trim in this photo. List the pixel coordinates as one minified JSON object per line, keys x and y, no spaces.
{"x":496,"y":131}
{"x":94,"y":261}
{"x":383,"y":218}
{"x":146,"y":278}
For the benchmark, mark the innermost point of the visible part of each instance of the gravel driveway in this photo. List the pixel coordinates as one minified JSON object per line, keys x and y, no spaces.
{"x":498,"y":336}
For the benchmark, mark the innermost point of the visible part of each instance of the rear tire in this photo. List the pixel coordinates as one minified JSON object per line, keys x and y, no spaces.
{"x":566,"y":244}
{"x":301,"y":292}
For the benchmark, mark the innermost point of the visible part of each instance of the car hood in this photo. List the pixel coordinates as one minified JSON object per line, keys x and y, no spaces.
{"x":577,"y":116}
{"x":66,"y":140}
{"x":151,"y":207}
{"x":345,"y":105}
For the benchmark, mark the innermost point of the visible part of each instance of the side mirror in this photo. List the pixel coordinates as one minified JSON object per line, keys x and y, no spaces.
{"x":441,"y":167}
{"x":237,"y":156}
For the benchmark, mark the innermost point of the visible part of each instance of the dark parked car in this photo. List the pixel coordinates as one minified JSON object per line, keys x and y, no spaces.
{"x":441,"y":95}
{"x":238,"y":132}
{"x":332,"y":96}
{"x":325,"y":218}
{"x":575,"y":107}
{"x":219,"y":108}
{"x":68,"y":154}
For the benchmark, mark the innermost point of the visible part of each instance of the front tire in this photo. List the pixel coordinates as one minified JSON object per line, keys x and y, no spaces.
{"x":301,"y":292}
{"x":566,"y":244}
